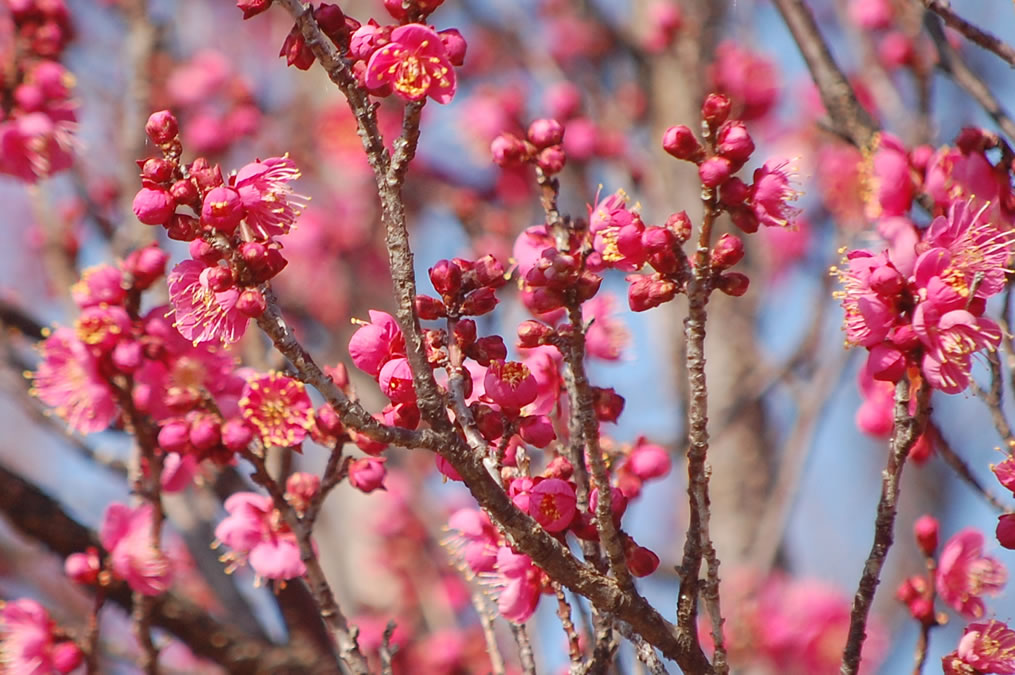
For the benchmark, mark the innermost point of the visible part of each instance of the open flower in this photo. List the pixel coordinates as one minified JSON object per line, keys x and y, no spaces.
{"x":68,"y":380}
{"x":279,"y":407}
{"x":202,"y":314}
{"x":27,"y":642}
{"x":415,"y":64}
{"x":255,"y":532}
{"x":987,"y":647}
{"x":127,"y":534}
{"x":270,"y":203}
{"x":964,"y":574}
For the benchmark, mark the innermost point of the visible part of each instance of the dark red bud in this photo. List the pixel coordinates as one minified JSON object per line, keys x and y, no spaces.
{"x":926,"y":529}
{"x":734,"y":142}
{"x":533,"y":333}
{"x":489,"y":272}
{"x":465,"y":333}
{"x":508,"y":150}
{"x":220,"y":279}
{"x":487,"y":349}
{"x":608,"y":404}
{"x":157,"y":169}
{"x":429,"y":308}
{"x":182,"y":227}
{"x":680,"y":225}
{"x":733,"y":283}
{"x":478,"y":302}
{"x":446,"y":278}
{"x":205,"y":252}
{"x":185,"y":192}
{"x":551,"y":159}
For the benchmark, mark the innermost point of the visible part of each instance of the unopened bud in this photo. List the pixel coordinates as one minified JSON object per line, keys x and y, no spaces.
{"x":162,"y":127}
{"x":681,"y":142}
{"x":727,"y":252}
{"x":926,"y":529}
{"x":546,"y":132}
{"x":716,"y":109}
{"x":733,"y":283}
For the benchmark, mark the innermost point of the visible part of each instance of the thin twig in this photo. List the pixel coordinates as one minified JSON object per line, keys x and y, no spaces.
{"x":961,"y":468}
{"x":849,"y":117}
{"x":906,"y":432}
{"x":486,"y":617}
{"x":574,"y":650}
{"x":525,"y":654}
{"x":973,"y":33}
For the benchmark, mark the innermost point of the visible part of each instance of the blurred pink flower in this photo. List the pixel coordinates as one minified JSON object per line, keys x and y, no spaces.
{"x":127,"y":534}
{"x":964,"y":574}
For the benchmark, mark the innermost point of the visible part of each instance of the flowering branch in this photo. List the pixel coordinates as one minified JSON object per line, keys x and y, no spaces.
{"x":907,"y":429}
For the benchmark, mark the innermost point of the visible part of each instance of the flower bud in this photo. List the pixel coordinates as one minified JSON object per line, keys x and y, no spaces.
{"x":537,"y":430}
{"x":66,"y":656}
{"x":641,"y":561}
{"x":716,"y":109}
{"x":681,"y":142}
{"x":744,"y":219}
{"x":733,"y":283}
{"x":429,"y":308}
{"x":455,"y":46}
{"x":648,"y":292}
{"x":127,"y":356}
{"x":1006,"y":530}
{"x":607,"y":403}
{"x":680,"y":225}
{"x":252,"y":8}
{"x":205,"y":432}
{"x":185,"y":192}
{"x":83,"y":568}
{"x":236,"y":434}
{"x":222,"y":209}
{"x":734,"y":192}
{"x":734,"y":142}
{"x":508,"y":150}
{"x":487,"y":349}
{"x":174,"y":436}
{"x":162,"y":127}
{"x":478,"y":302}
{"x":220,"y":279}
{"x":926,"y":530}
{"x":153,"y":206}
{"x":546,"y":132}
{"x":465,"y":333}
{"x":146,"y":265}
{"x":533,"y":333}
{"x":157,"y":170}
{"x":300,"y":489}
{"x":489,"y":272}
{"x":296,"y":51}
{"x":551,"y":159}
{"x":251,"y":302}
{"x":446,"y":278}
{"x":489,"y":421}
{"x":543,"y":300}
{"x":727,"y":252}
{"x":367,"y":473}
{"x":715,"y":171}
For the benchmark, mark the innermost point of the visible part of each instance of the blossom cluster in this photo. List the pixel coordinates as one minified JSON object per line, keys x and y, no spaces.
{"x":411,"y":60}
{"x":37,"y":116}
{"x":919,"y":304}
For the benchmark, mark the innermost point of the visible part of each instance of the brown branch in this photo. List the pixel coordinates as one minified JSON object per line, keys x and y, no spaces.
{"x":972,"y":33}
{"x":39,"y":517}
{"x":574,"y":650}
{"x":961,"y":468}
{"x":849,"y":117}
{"x":952,"y":64}
{"x":486,"y":617}
{"x":343,"y":634}
{"x":906,"y":432}
{"x":525,"y":655}
{"x":698,"y":544}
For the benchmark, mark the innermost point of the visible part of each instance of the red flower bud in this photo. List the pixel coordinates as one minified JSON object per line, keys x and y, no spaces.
{"x":508,"y":150}
{"x":446,"y":278}
{"x":455,"y":46}
{"x":429,"y":308}
{"x":236,"y":434}
{"x":367,"y":473}
{"x":716,"y":109}
{"x":251,"y":302}
{"x":153,"y":206}
{"x":733,"y":283}
{"x":680,"y":225}
{"x":533,"y":333}
{"x":681,"y":142}
{"x":252,"y":8}
{"x":162,"y":127}
{"x":641,"y":561}
{"x":727,"y":252}
{"x":220,"y":279}
{"x":296,"y":51}
{"x":715,"y":171}
{"x":205,"y":432}
{"x":734,"y":192}
{"x":174,"y":436}
{"x":222,"y":210}
{"x":1006,"y":530}
{"x":465,"y":333}
{"x":146,"y":265}
{"x":185,"y":192}
{"x":551,"y":159}
{"x":734,"y":142}
{"x":489,"y":272}
{"x":546,"y":132}
{"x":205,"y":252}
{"x":157,"y":170}
{"x":648,"y":292}
{"x":478,"y":302}
{"x":608,"y":404}
{"x":487,"y":349}
{"x":926,"y":530}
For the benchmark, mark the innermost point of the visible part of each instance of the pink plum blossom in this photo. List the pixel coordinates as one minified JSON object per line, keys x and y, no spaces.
{"x":69,"y":380}
{"x":255,"y":533}
{"x":415,"y":63}
{"x":202,"y":314}
{"x":127,"y":534}
{"x":965,"y":574}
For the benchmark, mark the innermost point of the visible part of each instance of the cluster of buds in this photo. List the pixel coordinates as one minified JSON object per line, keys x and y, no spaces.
{"x":378,"y":349}
{"x":37,"y":116}
{"x":232,"y":226}
{"x":542,"y":147}
{"x":466,"y":288}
